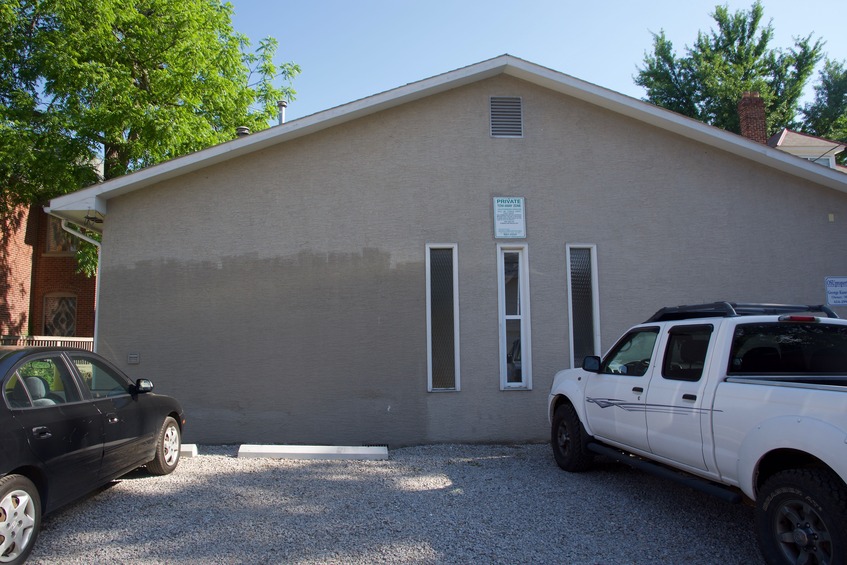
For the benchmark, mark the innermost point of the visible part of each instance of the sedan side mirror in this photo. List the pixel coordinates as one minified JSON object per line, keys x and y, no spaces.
{"x":143,"y":385}
{"x":591,"y":364}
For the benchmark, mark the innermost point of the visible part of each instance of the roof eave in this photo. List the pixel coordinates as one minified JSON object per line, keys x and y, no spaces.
{"x":98,"y":195}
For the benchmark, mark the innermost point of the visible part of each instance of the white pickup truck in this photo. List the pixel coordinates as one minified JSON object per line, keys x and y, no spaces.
{"x":742,"y":398}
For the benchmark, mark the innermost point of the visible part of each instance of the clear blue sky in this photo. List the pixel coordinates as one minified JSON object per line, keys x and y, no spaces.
{"x":351,"y":49}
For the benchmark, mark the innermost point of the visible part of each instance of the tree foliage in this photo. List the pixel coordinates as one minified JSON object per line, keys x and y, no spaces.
{"x":708,"y":81}
{"x":125,"y":85}
{"x":826,"y":115}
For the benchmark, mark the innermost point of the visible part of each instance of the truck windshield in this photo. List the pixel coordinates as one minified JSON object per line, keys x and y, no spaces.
{"x":789,"y":347}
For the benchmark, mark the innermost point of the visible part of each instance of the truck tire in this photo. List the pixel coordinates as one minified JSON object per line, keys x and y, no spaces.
{"x":801,"y":517}
{"x":569,"y":440}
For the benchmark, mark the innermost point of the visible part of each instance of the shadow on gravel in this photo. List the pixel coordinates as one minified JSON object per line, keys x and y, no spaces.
{"x":438,"y":504}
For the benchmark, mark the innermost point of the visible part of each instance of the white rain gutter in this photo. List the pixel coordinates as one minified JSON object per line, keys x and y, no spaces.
{"x":96,"y":244}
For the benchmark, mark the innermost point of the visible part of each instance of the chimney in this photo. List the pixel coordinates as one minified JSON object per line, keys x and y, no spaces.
{"x":751,"y":117}
{"x":282,"y":105}
{"x":242,"y":131}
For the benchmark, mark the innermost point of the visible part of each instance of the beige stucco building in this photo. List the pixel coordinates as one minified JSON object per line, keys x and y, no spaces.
{"x":415,"y":266}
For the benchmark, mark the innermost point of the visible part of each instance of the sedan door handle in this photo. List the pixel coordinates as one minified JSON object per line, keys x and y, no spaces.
{"x":42,"y":432}
{"x":637,"y":389}
{"x":689,"y":397}
{"x":112,"y":418}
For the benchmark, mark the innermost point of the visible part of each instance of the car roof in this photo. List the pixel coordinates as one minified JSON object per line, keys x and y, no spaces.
{"x":11,"y":353}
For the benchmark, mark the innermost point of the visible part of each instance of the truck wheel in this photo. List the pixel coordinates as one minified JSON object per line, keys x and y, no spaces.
{"x":801,"y":517}
{"x":569,"y":440}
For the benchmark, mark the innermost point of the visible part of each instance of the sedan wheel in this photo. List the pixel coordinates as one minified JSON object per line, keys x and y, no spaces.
{"x":20,"y":518}
{"x":167,"y":449}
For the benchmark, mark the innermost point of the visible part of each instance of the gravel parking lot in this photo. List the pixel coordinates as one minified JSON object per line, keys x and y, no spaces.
{"x":434,"y":504}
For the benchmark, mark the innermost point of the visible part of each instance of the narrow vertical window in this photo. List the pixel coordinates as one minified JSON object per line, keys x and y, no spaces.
{"x":442,"y":320}
{"x":582,"y":298}
{"x":513,"y":291}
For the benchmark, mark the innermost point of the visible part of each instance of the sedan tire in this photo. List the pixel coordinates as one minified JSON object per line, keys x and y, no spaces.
{"x":168,"y":446}
{"x":20,"y":518}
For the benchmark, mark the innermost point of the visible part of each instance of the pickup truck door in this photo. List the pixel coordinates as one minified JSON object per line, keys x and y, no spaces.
{"x":614,"y":398}
{"x":675,"y":410}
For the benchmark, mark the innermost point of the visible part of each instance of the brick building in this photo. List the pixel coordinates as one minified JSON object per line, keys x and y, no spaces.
{"x":40,"y":291}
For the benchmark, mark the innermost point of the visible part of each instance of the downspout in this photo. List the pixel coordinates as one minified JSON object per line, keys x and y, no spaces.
{"x":96,"y":244}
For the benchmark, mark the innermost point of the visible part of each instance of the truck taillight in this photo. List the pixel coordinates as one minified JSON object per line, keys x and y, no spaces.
{"x":799,"y":319}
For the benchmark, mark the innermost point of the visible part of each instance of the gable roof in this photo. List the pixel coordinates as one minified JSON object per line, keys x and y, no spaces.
{"x":805,"y":145}
{"x":77,"y":205}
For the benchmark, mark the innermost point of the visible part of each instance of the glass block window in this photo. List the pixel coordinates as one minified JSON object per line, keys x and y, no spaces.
{"x":442,"y":317}
{"x":60,"y":315}
{"x":584,"y":312}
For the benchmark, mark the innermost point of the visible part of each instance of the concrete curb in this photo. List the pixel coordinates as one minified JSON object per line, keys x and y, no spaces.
{"x":360,"y":453}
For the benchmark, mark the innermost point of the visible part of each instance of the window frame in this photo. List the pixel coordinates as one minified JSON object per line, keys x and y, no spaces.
{"x":57,"y":241}
{"x":595,"y":296}
{"x":456,"y":348}
{"x":627,"y":337}
{"x":682,"y":330}
{"x":69,"y":383}
{"x":104,"y":365}
{"x":525,"y":316}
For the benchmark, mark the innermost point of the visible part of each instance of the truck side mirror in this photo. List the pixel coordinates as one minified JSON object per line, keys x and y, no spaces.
{"x":591,"y":364}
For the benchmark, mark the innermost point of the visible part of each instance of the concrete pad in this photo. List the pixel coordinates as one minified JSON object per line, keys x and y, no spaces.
{"x":188,"y":450}
{"x":375,"y":453}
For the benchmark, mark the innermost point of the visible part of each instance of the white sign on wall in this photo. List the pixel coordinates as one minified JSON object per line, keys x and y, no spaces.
{"x":509,"y":217}
{"x":836,"y":291}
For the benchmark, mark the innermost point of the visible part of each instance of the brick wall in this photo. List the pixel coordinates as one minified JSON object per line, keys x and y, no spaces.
{"x":29,"y":273}
{"x":55,"y":274}
{"x":15,"y":273}
{"x":752,"y":117}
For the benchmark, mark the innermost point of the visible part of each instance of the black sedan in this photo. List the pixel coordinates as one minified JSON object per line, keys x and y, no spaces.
{"x":70,"y":422}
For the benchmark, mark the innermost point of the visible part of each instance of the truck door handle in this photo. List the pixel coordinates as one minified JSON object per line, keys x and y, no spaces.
{"x":689,"y":397}
{"x":112,"y":418}
{"x":637,"y":389}
{"x":42,"y":432}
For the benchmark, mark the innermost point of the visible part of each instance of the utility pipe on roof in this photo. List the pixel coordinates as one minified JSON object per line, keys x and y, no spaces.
{"x":98,"y":245}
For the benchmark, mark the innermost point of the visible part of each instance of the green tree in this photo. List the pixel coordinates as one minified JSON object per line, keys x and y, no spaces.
{"x":708,"y":81}
{"x":122,"y":84}
{"x":826,"y":115}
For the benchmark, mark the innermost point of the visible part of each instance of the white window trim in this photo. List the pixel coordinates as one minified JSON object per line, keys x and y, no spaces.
{"x":595,"y":291}
{"x":455,"y":248}
{"x":525,"y":318}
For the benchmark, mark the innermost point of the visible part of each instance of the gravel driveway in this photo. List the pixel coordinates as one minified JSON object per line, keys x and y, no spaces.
{"x":435,"y":504}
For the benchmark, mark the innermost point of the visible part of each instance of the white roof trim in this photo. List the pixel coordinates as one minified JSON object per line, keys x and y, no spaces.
{"x":95,"y":197}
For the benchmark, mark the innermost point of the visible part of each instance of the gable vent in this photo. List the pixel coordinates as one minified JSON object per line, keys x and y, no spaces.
{"x":506,"y":116}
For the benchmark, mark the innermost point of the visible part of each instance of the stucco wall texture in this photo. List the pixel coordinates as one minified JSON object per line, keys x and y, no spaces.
{"x":280,"y":296}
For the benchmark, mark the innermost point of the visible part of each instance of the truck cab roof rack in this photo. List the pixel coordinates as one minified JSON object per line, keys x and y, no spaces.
{"x":732,"y":309}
